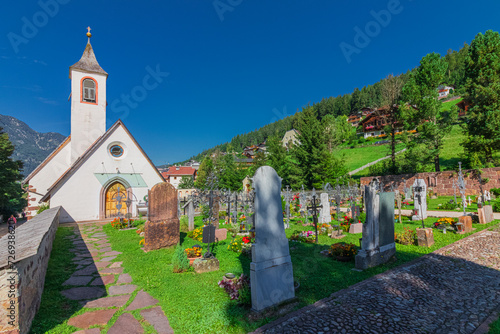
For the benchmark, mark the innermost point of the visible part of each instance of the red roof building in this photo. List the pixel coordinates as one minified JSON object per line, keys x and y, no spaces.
{"x":174,"y":174}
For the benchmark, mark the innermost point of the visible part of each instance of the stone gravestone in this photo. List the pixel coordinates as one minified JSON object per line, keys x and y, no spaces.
{"x":215,"y":211}
{"x":162,"y":228}
{"x":485,"y":214}
{"x":324,"y":214}
{"x":271,"y":272}
{"x":421,"y":209}
{"x":377,"y":245}
{"x":190,"y":214}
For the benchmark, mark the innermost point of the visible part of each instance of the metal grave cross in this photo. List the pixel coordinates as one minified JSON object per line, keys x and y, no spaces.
{"x":314,"y":209}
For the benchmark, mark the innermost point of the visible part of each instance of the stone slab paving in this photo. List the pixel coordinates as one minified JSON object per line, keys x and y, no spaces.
{"x":117,"y":301}
{"x":452,"y":290}
{"x":126,"y":324}
{"x":121,"y":289}
{"x":158,"y":320}
{"x":94,"y":257}
{"x":142,"y":300}
{"x":78,"y":280}
{"x":101,"y":317}
{"x":82,"y":293}
{"x":124,"y":279}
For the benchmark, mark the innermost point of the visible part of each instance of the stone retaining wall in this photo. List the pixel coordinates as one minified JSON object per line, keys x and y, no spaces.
{"x":441,"y":182}
{"x":22,"y":272}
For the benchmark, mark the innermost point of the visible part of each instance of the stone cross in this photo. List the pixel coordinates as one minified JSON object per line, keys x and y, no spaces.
{"x":271,"y":271}
{"x":398,"y":197}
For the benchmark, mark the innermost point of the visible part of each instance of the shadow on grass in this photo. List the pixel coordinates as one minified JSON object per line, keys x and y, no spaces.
{"x":320,"y":276}
{"x":433,"y":287}
{"x":55,"y":309}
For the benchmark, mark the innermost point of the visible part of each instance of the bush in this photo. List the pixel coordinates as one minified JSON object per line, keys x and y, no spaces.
{"x":407,"y":237}
{"x":362,"y":217}
{"x":184,"y":222}
{"x":180,"y":261}
{"x":451,"y":205}
{"x":42,"y":208}
{"x":496,"y":206}
{"x":237,"y":288}
{"x":495,"y":191}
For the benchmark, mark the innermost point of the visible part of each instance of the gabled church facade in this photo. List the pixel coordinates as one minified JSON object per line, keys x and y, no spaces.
{"x":94,"y":174}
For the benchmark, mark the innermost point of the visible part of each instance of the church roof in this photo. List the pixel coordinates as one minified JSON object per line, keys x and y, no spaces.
{"x":88,"y":62}
{"x":47,"y":160}
{"x":90,"y":151}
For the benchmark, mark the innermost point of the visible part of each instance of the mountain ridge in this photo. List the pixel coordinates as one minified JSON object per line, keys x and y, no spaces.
{"x":31,"y":147}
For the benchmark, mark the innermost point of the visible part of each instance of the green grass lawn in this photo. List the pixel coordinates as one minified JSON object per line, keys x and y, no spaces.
{"x":195,"y":304}
{"x":360,"y":156}
{"x":495,"y":327}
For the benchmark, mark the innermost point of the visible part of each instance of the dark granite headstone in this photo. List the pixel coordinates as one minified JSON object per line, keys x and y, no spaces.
{"x":208,"y":234}
{"x":162,"y":228}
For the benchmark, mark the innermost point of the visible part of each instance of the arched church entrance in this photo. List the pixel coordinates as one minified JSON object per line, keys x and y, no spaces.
{"x":115,"y":197}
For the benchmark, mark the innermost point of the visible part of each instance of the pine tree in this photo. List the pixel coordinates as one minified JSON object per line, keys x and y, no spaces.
{"x":12,"y":196}
{"x":206,"y":168}
{"x":421,"y":91}
{"x":482,"y":91}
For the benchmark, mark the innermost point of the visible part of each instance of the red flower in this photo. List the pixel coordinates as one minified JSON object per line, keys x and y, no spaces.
{"x":246,"y":240}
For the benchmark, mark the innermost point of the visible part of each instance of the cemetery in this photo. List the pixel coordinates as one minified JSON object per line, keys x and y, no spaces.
{"x":221,"y":256}
{"x":376,"y":211}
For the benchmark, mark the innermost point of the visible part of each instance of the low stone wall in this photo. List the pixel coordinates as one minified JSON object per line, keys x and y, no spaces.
{"x":22,"y":270}
{"x":441,"y":182}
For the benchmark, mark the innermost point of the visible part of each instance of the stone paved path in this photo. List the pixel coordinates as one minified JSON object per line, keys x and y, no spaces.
{"x":103,"y":289}
{"x":452,"y":290}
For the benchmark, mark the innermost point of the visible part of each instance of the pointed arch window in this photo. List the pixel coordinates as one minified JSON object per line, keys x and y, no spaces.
{"x":89,"y":90}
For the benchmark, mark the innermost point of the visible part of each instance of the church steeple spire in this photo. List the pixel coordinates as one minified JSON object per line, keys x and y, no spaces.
{"x":88,"y":62}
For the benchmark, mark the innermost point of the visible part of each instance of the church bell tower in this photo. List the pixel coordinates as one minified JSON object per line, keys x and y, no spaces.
{"x":88,"y":101}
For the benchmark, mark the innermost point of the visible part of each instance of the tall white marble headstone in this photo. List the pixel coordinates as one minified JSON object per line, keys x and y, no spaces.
{"x":324,"y":214}
{"x":421,"y":209}
{"x":271,"y":272}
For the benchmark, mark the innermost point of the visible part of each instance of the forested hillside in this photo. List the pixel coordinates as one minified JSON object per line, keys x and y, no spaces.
{"x":368,"y":96}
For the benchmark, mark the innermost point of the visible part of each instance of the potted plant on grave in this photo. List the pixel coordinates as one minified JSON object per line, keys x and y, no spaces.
{"x":193,"y":253}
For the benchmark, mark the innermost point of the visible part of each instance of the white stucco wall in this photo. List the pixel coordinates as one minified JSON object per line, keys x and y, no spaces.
{"x":46,"y":177}
{"x":80,"y":194}
{"x":88,"y":121}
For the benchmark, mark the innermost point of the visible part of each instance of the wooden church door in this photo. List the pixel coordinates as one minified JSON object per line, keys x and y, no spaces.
{"x":115,"y":200}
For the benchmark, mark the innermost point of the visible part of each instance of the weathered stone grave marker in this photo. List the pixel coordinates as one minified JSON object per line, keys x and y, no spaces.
{"x":324,"y":213}
{"x":162,"y":228}
{"x":419,"y":199}
{"x":377,"y":245}
{"x":271,"y":272}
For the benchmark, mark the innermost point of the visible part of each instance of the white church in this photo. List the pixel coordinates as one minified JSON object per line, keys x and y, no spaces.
{"x":94,"y":174}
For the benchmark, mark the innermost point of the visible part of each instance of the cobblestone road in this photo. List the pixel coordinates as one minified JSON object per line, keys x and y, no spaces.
{"x":452,"y":290}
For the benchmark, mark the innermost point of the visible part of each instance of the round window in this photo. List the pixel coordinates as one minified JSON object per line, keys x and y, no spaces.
{"x":116,"y":151}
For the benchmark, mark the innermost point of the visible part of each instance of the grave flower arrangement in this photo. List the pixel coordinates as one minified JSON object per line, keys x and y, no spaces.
{"x":237,"y":289}
{"x":346,"y":224}
{"x":324,"y":228}
{"x":236,"y":245}
{"x":120,"y":223}
{"x":445,"y":223}
{"x":193,"y":252}
{"x":407,"y":237}
{"x":196,"y":234}
{"x":141,"y":243}
{"x":343,"y":251}
{"x":303,"y":236}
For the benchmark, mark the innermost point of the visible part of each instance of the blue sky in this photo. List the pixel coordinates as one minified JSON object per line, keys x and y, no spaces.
{"x":234,"y":65}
